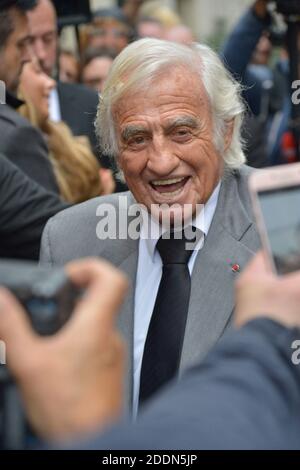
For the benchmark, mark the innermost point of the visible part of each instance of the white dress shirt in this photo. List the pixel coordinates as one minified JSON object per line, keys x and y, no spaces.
{"x":148,"y":278}
{"x":54,"y":106}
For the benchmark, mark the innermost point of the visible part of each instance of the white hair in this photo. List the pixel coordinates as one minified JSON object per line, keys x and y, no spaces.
{"x":140,"y":63}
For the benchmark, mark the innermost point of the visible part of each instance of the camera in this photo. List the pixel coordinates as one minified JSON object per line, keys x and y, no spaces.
{"x":288,"y":7}
{"x":48,"y":297}
{"x":72,"y":12}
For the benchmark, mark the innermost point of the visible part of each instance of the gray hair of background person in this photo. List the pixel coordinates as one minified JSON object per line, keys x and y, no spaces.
{"x":6,"y":22}
{"x":142,"y":61}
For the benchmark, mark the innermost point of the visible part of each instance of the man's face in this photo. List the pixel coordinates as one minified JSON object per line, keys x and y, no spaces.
{"x":150,"y":29}
{"x":15,"y":52}
{"x":68,"y":68}
{"x":95,"y":73}
{"x":43,"y":29}
{"x":165,"y":137}
{"x":110,"y":34}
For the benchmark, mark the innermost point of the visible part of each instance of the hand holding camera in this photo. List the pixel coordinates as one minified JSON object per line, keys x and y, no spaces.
{"x":71,"y":370}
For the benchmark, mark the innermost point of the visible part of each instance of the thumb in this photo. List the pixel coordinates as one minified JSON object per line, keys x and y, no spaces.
{"x":15,"y":330}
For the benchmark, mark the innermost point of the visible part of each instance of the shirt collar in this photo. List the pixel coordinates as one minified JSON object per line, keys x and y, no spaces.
{"x":202,"y":222}
{"x":54,"y":106}
{"x":13,"y":101}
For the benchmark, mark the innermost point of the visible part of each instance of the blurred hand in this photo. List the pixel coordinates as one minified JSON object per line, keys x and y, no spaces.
{"x":261,"y":8}
{"x":131,"y":9}
{"x":260,"y":293}
{"x":71,"y":382}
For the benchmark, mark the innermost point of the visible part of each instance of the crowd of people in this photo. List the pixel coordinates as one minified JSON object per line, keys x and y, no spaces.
{"x":201,"y":354}
{"x":262,"y":68}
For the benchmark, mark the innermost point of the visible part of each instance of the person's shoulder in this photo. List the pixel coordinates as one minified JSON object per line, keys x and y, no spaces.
{"x":18,"y":134}
{"x":86,"y":211}
{"x":245,"y":171}
{"x":235,"y":188}
{"x":12,"y":119}
{"x":6,"y":169}
{"x":240,"y":175}
{"x":72,"y":233}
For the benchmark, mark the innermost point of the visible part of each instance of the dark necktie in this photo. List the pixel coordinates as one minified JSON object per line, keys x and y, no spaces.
{"x":167,"y":326}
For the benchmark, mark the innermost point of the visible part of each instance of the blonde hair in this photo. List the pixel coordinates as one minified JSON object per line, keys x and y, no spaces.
{"x":140,"y":63}
{"x":165,"y":15}
{"x":75,"y":167}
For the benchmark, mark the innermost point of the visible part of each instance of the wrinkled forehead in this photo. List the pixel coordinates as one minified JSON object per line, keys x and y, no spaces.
{"x":42,"y":19}
{"x":176,"y":85}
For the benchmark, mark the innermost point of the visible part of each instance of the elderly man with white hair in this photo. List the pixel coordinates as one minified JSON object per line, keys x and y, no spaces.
{"x":171,"y":116}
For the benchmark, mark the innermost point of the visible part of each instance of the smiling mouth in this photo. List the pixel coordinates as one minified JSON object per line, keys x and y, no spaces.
{"x":170,"y":186}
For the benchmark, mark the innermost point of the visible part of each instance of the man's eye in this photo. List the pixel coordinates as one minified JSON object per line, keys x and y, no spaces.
{"x":49,"y":38}
{"x":182,"y":133}
{"x":138,"y":140}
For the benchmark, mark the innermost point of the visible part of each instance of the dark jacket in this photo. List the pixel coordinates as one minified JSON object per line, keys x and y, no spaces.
{"x":236,"y":54}
{"x":25,"y":145}
{"x":245,"y":395}
{"x":78,"y":107}
{"x":25,"y":208}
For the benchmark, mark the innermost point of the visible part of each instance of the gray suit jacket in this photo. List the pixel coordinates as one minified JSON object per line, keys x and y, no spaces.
{"x":232,"y":238}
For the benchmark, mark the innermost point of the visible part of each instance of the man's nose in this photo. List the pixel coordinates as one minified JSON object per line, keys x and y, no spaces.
{"x":28,"y":53}
{"x":50,"y":83}
{"x":162,"y":159}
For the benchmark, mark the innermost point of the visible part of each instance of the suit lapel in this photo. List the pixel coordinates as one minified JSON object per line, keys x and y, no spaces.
{"x":126,"y":320}
{"x":124,"y":255}
{"x":212,"y":293}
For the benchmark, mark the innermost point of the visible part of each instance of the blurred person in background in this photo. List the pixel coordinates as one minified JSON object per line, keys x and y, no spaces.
{"x":165,"y":15}
{"x":261,"y":57}
{"x":148,"y":27}
{"x":69,"y":102}
{"x":76,"y":168}
{"x":109,"y":28}
{"x":95,"y":67}
{"x":131,"y":10}
{"x":250,"y":37}
{"x":247,"y":43}
{"x":181,"y":34}
{"x":272,"y":128}
{"x":22,"y":143}
{"x":68,"y":67}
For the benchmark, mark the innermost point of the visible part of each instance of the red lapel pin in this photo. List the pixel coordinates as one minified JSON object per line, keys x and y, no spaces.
{"x":235,"y":268}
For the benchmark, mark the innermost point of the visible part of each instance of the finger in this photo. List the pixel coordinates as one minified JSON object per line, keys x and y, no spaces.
{"x":15,"y":329}
{"x":291,"y":280}
{"x":258,"y":263}
{"x":83,"y":272}
{"x":257,"y":266}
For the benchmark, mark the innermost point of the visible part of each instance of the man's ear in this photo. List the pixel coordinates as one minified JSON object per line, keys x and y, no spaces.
{"x":228,"y":134}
